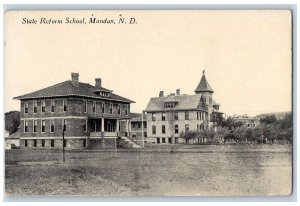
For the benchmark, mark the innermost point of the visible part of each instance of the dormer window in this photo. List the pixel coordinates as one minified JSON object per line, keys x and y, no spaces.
{"x":169,"y":105}
{"x":103,"y":94}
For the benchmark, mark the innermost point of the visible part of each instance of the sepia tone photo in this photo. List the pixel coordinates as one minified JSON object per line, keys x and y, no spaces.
{"x":148,"y":103}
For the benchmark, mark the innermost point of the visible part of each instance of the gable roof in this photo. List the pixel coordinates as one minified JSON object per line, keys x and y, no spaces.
{"x":203,"y":86}
{"x":68,"y":89}
{"x":183,"y":102}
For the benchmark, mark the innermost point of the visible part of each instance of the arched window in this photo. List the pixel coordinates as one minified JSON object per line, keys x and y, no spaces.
{"x":187,"y":128}
{"x":153,"y":129}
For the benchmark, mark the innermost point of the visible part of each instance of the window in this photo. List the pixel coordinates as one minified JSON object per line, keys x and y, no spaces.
{"x":84,"y":143}
{"x":163,"y":129}
{"x":52,"y":125}
{"x":197,"y":115}
{"x":64,"y":105}
{"x":26,"y":143}
{"x":202,"y":127}
{"x":145,"y":134}
{"x":43,"y":106}
{"x":163,"y":140}
{"x":25,"y":107}
{"x":110,"y":108}
{"x":170,"y":140}
{"x":64,"y":125}
{"x":35,"y":107}
{"x":198,"y":127}
{"x":187,"y":128}
{"x":85,"y":126}
{"x":153,"y":117}
{"x":103,"y":108}
{"x":34,"y":143}
{"x":119,"y":109}
{"x":25,"y":126}
{"x":176,"y":129}
{"x":157,"y":140}
{"x":53,"y":106}
{"x":176,"y":140}
{"x":126,"y":110}
{"x":186,"y":114}
{"x":64,"y":143}
{"x":43,"y":143}
{"x":163,"y":116}
{"x":52,"y":143}
{"x":94,"y":107}
{"x":176,"y":115}
{"x":84,"y":106}
{"x":43,"y":124}
{"x":34,"y":125}
{"x":153,"y":129}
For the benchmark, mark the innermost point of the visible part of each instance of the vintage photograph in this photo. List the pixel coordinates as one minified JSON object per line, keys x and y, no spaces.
{"x":148,"y":103}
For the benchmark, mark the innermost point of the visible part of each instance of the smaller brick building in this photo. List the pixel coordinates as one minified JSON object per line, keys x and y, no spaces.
{"x":89,"y":115}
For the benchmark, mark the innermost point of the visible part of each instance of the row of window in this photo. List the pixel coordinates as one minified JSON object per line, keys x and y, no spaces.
{"x":43,"y":106}
{"x":52,"y":107}
{"x":103,"y":108}
{"x":51,"y":125}
{"x":163,"y":140}
{"x":200,"y":116}
{"x":187,"y":128}
{"x":51,"y":143}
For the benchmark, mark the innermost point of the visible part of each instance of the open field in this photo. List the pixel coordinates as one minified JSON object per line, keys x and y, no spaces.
{"x":163,"y":170}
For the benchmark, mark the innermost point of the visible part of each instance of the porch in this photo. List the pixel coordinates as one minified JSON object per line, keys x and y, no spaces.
{"x":108,"y":128}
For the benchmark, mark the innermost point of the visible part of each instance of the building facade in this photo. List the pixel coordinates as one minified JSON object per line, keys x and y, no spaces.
{"x":169,"y":116}
{"x":138,"y":128}
{"x":83,"y":115}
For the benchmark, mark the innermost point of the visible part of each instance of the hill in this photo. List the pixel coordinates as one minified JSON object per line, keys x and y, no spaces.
{"x":12,"y":121}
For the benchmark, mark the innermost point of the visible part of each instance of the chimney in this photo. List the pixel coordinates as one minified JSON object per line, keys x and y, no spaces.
{"x":178,"y":92}
{"x":161,"y":93}
{"x":98,"y":82}
{"x":75,"y":79}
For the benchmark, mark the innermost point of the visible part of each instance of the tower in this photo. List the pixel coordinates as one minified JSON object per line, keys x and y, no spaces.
{"x":205,"y":90}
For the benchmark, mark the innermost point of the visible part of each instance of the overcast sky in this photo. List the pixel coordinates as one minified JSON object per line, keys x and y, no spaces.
{"x":246,"y":55}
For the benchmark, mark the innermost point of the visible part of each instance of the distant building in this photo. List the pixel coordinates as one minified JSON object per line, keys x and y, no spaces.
{"x":6,"y":133}
{"x":138,"y":128}
{"x":89,"y":114}
{"x":168,"y":116}
{"x":246,"y":120}
{"x":13,"y":141}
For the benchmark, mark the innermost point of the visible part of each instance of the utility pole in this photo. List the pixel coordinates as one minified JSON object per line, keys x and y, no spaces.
{"x":143,"y":128}
{"x":63,"y":134}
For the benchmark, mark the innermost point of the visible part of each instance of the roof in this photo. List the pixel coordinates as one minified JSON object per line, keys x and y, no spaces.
{"x":68,"y":89}
{"x":203,"y":86}
{"x":183,"y":102}
{"x":137,"y":117}
{"x":15,"y":135}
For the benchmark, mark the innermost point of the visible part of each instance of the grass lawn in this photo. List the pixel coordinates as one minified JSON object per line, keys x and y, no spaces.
{"x":163,"y":170}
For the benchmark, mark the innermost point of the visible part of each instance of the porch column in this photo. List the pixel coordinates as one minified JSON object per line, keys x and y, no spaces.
{"x":129,"y":125}
{"x":102,"y":133}
{"x":127,"y":132}
{"x":102,"y":124}
{"x":117,"y":126}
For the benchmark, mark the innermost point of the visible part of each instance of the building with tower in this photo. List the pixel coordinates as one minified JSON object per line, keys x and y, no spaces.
{"x":168,"y":116}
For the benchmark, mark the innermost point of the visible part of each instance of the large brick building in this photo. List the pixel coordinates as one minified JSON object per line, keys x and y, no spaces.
{"x":90,"y":115}
{"x":168,"y":116}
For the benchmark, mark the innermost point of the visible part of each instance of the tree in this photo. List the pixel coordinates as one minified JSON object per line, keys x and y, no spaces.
{"x":269,"y":119}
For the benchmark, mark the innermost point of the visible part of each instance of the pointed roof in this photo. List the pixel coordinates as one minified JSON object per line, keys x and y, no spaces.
{"x":203,"y":86}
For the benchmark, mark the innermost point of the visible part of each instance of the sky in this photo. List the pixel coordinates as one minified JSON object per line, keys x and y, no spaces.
{"x":246,"y":55}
